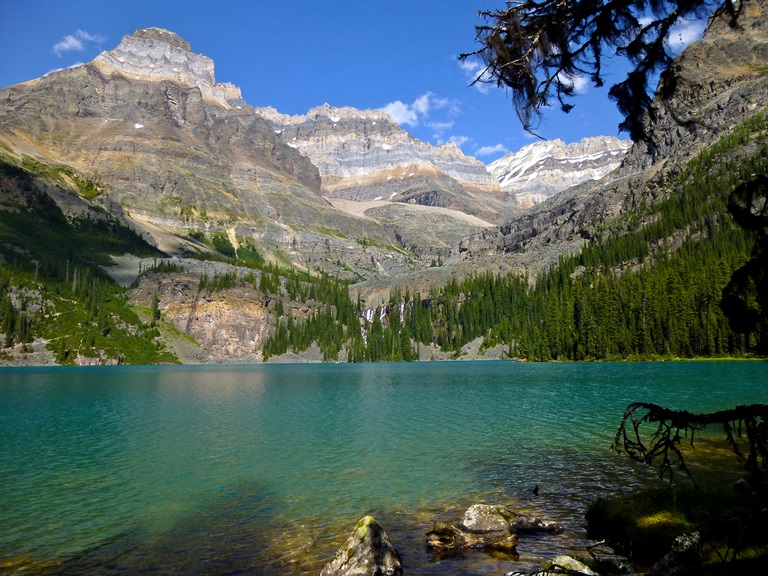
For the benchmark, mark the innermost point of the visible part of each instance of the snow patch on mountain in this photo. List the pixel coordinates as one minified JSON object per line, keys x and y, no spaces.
{"x":542,"y":169}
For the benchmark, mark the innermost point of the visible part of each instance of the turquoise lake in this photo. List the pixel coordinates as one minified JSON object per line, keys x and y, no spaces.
{"x":266,"y":469}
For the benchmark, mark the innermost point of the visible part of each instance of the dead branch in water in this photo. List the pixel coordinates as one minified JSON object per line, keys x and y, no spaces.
{"x":673,"y":425}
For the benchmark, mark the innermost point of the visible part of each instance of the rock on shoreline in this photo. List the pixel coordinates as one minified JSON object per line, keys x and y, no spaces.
{"x":367,"y":552}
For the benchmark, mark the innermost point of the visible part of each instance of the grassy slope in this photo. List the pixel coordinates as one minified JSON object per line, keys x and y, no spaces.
{"x":50,"y":284}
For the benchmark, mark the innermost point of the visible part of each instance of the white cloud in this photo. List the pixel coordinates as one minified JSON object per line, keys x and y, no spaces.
{"x":68,"y":43}
{"x":579,"y":82}
{"x":420,"y":109}
{"x":684,"y":33}
{"x":441,"y":126}
{"x":644,"y":21}
{"x":491,"y":150}
{"x":476,"y":70}
{"x":458,"y":140}
{"x":77,"y":42}
{"x":422,"y":105}
{"x":401,"y":113}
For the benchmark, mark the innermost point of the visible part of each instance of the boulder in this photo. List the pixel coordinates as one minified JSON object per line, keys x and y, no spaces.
{"x":482,"y":518}
{"x":367,"y":552}
{"x":684,"y":559}
{"x":487,"y":527}
{"x":448,"y":538}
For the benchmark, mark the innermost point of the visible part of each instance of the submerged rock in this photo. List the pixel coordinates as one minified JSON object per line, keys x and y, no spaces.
{"x":487,"y":527}
{"x":567,"y":565}
{"x":367,"y":552}
{"x":447,"y":538}
{"x":525,"y":524}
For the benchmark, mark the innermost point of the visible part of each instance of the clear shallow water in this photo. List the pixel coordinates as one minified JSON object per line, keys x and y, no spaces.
{"x":266,"y":469}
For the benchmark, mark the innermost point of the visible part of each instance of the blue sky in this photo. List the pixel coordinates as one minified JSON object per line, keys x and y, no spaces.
{"x":295,"y":55}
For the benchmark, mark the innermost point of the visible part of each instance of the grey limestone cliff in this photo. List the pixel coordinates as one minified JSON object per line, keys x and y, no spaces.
{"x":157,"y":54}
{"x":362,"y":155}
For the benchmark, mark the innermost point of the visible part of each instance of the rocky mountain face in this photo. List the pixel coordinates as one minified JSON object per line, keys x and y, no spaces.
{"x":542,"y":169}
{"x":156,"y":54}
{"x":363,"y":156}
{"x":175,"y":154}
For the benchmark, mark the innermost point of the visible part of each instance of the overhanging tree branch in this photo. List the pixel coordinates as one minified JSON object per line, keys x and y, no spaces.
{"x":671,"y":426}
{"x":536,"y":48}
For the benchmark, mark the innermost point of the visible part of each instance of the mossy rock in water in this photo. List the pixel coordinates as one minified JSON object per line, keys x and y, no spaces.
{"x":641,"y":526}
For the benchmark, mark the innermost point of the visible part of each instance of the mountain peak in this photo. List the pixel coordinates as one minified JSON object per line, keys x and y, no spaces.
{"x":544,"y":168}
{"x":156,"y":54}
{"x":162,"y":35}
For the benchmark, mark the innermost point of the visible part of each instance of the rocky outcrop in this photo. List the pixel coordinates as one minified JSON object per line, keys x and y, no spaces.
{"x":542,"y":169}
{"x":684,"y":558}
{"x":362,"y":155}
{"x":711,"y":86}
{"x":229,"y":324}
{"x":367,"y":552}
{"x":156,"y":54}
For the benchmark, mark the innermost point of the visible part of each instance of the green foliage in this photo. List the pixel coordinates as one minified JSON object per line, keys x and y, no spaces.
{"x":218,"y":283}
{"x":222,"y":245}
{"x":643,"y":525}
{"x":165,"y":266}
{"x":51,"y":286}
{"x":332,"y":324}
{"x":86,"y":315}
{"x":63,"y":175}
{"x":246,"y":255}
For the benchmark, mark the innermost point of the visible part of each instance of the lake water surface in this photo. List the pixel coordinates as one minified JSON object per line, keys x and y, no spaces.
{"x":266,"y":469}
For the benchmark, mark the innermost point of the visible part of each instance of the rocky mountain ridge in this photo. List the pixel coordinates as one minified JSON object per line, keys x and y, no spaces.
{"x":175,"y":153}
{"x":156,"y":54}
{"x":542,"y":169}
{"x":362,"y":155}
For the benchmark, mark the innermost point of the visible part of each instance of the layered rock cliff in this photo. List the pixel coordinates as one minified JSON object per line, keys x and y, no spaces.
{"x":157,"y":54}
{"x":362,"y":155}
{"x":542,"y":169}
